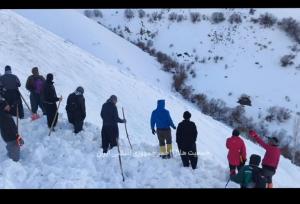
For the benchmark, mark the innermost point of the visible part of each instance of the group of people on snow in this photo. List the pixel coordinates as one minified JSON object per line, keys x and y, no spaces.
{"x":251,"y":176}
{"x":43,"y":95}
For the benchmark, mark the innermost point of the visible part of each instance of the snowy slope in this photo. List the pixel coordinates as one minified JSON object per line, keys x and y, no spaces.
{"x":65,"y":160}
{"x":246,"y":68}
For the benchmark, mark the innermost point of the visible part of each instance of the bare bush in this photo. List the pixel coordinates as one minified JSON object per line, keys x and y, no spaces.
{"x":129,"y":14}
{"x":244,"y":100}
{"x":267,"y":20}
{"x":141,"y":13}
{"x":98,"y":13}
{"x":235,"y":18}
{"x":217,"y":17}
{"x":286,"y":60}
{"x":172,"y":17}
{"x":195,"y":17}
{"x":180,"y":18}
{"x":88,"y":13}
{"x":291,"y":27}
{"x":279,"y":114}
{"x":179,"y":79}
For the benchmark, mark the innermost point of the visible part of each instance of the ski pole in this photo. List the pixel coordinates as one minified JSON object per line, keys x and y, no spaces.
{"x":120,"y":161}
{"x":25,"y":102}
{"x":20,"y":141}
{"x":55,"y":117}
{"x":126,"y":129}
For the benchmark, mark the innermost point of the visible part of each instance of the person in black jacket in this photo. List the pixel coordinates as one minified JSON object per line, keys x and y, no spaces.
{"x":35,"y":84}
{"x":110,"y":117}
{"x":8,"y":129}
{"x":49,"y":100}
{"x":186,"y":136}
{"x":12,"y":95}
{"x":76,"y":109}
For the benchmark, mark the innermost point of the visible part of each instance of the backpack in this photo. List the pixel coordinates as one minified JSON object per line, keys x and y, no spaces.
{"x":259,"y":179}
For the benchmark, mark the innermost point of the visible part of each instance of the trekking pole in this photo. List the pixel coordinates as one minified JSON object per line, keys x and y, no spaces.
{"x":20,"y":141}
{"x":227,"y":182}
{"x":120,"y":161}
{"x":126,"y":129}
{"x":54,"y":117}
{"x":17,"y":120}
{"x":25,"y":102}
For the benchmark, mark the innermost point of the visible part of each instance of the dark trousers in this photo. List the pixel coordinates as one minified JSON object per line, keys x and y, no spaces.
{"x":35,"y":102}
{"x":164,"y":136}
{"x":13,"y":150}
{"x":77,"y":125}
{"x":50,"y":112}
{"x":268,"y":172}
{"x":13,"y":98}
{"x":110,"y":135}
{"x":188,"y":156}
{"x":234,"y":167}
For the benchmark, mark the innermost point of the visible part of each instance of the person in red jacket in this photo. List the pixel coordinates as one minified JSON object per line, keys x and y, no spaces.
{"x":271,"y":158}
{"x":237,"y":152}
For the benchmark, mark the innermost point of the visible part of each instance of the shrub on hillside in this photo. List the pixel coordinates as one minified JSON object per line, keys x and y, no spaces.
{"x":291,"y":27}
{"x":195,"y":17}
{"x":235,"y":18}
{"x":279,"y":114}
{"x":267,"y":20}
{"x":98,"y":13}
{"x":217,"y":17}
{"x":286,"y":60}
{"x":141,"y":13}
{"x":172,"y":17}
{"x":129,"y":14}
{"x":88,"y":13}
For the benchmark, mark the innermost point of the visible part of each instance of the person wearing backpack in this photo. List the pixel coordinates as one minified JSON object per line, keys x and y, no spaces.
{"x":236,"y":152}
{"x":12,"y":95}
{"x":8,"y":129}
{"x":34,"y":85}
{"x":251,"y":176}
{"x":186,"y":136}
{"x":271,"y":158}
{"x":76,"y":109}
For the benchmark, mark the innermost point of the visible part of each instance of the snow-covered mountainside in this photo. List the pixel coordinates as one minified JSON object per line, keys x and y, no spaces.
{"x":65,"y":160}
{"x":226,"y":60}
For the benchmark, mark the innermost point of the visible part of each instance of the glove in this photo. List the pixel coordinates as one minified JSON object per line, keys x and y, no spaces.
{"x":20,"y":141}
{"x":252,"y":133}
{"x":124,"y":121}
{"x":174,"y":127}
{"x":243,"y":162}
{"x":153,"y":131}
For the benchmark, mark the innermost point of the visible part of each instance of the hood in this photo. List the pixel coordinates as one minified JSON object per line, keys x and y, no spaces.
{"x":160,"y":104}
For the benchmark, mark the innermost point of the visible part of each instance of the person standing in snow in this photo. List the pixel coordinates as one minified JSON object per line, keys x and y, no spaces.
{"x":186,"y":136}
{"x":8,"y":129}
{"x":50,"y":98}
{"x":110,"y":130}
{"x":35,"y":84}
{"x":271,"y":159}
{"x":251,"y":176}
{"x":12,"y":95}
{"x":236,"y":152}
{"x":163,"y":121}
{"x":76,"y":109}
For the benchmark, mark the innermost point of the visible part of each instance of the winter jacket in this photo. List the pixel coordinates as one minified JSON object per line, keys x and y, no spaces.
{"x":10,"y":81}
{"x":272,"y":154}
{"x":161,"y":117}
{"x":8,"y":127}
{"x":237,"y":150}
{"x":75,"y":107}
{"x":49,"y":94}
{"x":35,"y":83}
{"x":109,"y":114}
{"x":186,"y":135}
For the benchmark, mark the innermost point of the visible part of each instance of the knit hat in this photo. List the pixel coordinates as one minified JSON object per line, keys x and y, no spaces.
{"x":187,"y":115}
{"x":235,"y":132}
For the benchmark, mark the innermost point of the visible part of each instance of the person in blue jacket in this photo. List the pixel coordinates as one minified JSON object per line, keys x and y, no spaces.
{"x":163,"y":121}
